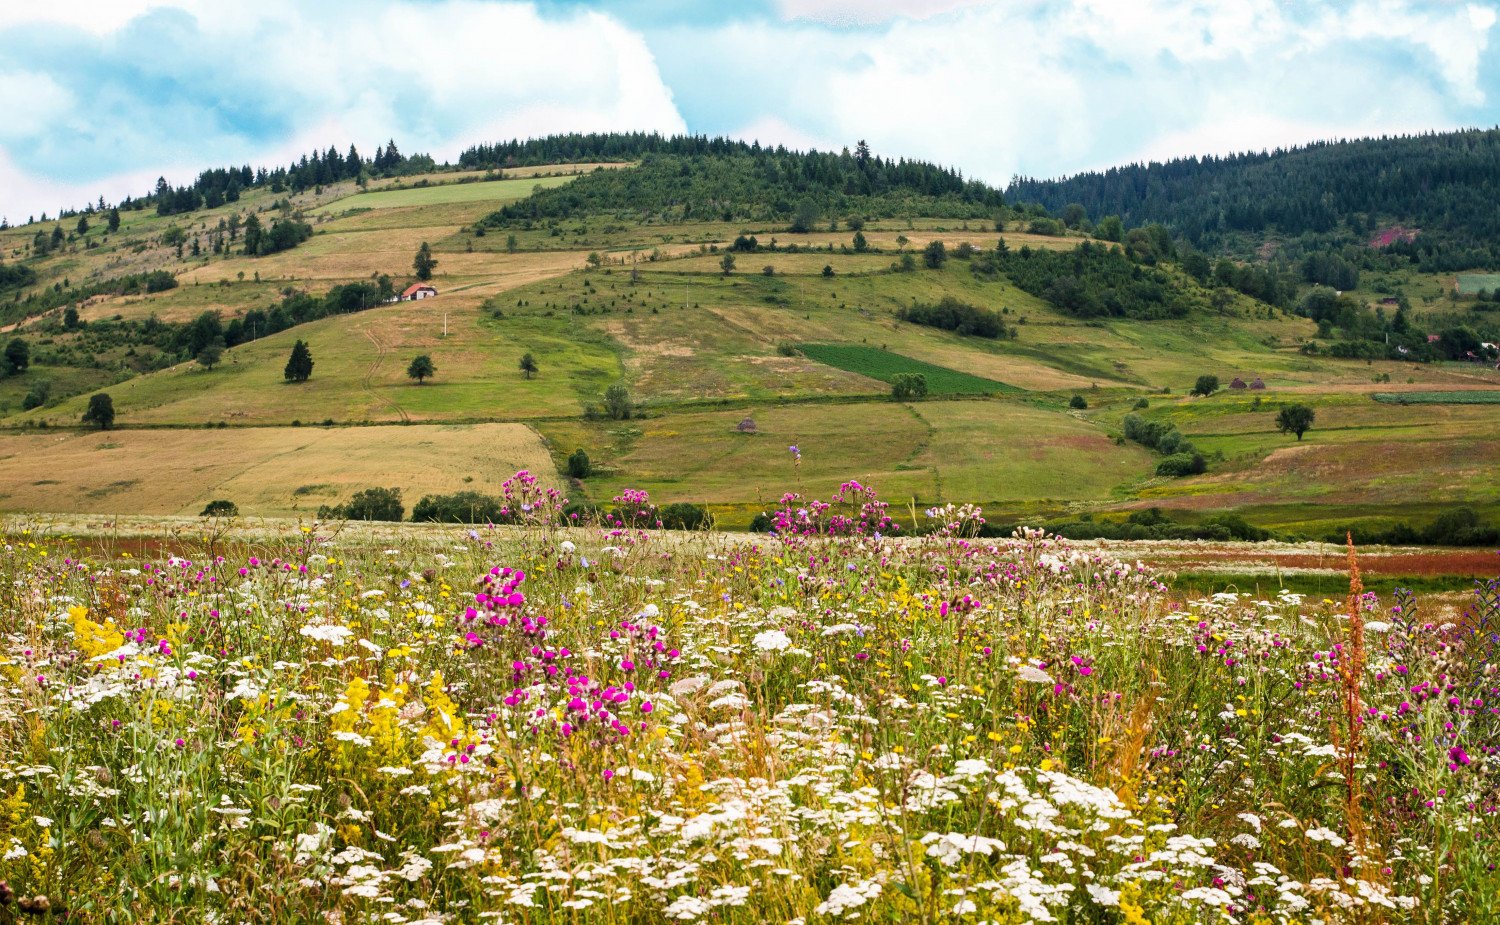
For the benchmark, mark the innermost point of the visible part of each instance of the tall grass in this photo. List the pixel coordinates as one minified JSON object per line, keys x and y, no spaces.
{"x":607,"y":724}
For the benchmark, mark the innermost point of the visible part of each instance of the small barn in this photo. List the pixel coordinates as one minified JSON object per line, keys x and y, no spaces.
{"x":418,"y":291}
{"x":747,"y":426}
{"x":1238,"y":383}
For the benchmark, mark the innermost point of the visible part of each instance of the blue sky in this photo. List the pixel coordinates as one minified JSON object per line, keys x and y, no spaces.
{"x":104,"y":95}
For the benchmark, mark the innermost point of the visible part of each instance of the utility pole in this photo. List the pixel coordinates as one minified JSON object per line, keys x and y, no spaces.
{"x":445,"y":324}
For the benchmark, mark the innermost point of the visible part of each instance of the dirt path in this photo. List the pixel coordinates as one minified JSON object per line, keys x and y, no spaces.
{"x":382,"y":350}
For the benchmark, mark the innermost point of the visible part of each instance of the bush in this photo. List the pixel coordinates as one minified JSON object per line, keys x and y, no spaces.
{"x":1206,"y":385}
{"x":1182,"y":464}
{"x":579,"y":466}
{"x":909,"y":386}
{"x":38,"y":394}
{"x":935,"y":254}
{"x":368,"y":504}
{"x":617,"y":403}
{"x":949,"y":314}
{"x":465,"y":507}
{"x":762,"y":523}
{"x":220,"y":508}
{"x":1078,"y":403}
{"x":683,"y":516}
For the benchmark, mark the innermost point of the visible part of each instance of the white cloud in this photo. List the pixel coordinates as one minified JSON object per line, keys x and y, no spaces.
{"x":867,"y":12}
{"x":1043,"y":88}
{"x":436,"y":76}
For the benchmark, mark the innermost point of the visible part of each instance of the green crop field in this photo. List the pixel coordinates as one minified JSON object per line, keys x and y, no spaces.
{"x":1471,"y":283}
{"x":886,"y":366}
{"x":1474,"y":397}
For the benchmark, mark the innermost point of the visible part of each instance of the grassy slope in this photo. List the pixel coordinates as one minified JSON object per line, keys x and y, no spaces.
{"x":701,"y":350}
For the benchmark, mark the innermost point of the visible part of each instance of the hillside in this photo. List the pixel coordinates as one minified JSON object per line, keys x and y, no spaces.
{"x":715,"y":282}
{"x":1438,"y":189}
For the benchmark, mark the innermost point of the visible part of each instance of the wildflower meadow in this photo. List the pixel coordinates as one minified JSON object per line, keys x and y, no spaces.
{"x":553,"y":721}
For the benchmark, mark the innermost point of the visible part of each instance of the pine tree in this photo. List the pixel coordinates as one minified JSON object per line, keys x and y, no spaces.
{"x":424,"y":262}
{"x":299,"y":366}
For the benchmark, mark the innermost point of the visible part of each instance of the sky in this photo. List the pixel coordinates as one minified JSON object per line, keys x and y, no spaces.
{"x":103,"y":96}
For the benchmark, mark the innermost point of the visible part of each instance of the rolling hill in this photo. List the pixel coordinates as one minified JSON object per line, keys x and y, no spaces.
{"x":718,"y":282}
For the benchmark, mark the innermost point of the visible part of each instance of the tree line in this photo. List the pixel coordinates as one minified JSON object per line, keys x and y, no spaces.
{"x":1444,"y":183}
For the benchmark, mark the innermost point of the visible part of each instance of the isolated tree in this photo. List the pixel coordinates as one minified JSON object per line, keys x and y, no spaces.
{"x":528,"y":365}
{"x":935,"y":255}
{"x":421,"y":368}
{"x":901,"y":242}
{"x":100,"y":412}
{"x":113,"y":223}
{"x":1206,"y":385}
{"x":299,"y":365}
{"x":511,"y":244}
{"x":211,"y":353}
{"x":1295,"y":419}
{"x":83,"y":225}
{"x":860,"y":243}
{"x":805,"y":219}
{"x":1078,"y":403}
{"x":579,"y":466}
{"x":220,"y":508}
{"x":909,"y":386}
{"x":726,"y":263}
{"x":424,"y":262}
{"x":17,"y":356}
{"x":617,"y":404}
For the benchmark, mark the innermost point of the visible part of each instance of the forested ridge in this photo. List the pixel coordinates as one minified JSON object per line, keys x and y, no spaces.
{"x":1443,"y":184}
{"x":696,"y":178}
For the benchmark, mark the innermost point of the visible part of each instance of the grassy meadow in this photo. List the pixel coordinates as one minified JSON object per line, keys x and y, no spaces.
{"x":602,"y":724}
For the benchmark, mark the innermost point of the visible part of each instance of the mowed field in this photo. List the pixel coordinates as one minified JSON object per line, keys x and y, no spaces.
{"x":266,"y":471}
{"x":1008,"y":454}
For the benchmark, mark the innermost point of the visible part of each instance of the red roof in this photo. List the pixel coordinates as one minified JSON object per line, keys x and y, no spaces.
{"x":416,"y":287}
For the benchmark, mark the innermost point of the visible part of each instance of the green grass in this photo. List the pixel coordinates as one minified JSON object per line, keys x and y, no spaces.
{"x":438,"y":194}
{"x":1471,"y":283}
{"x":886,"y":366}
{"x":1475,"y":397}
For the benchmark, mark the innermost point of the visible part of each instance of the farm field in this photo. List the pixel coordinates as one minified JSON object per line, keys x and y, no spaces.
{"x":1011,"y":456}
{"x":274,"y":471}
{"x":886,"y":366}
{"x":1466,"y":397}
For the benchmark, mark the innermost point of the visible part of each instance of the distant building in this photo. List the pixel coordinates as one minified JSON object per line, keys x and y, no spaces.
{"x":747,"y":426}
{"x":1237,"y":383}
{"x":418,"y":291}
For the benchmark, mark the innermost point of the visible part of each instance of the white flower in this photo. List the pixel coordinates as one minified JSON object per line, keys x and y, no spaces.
{"x":772,"y":641}
{"x":567,"y":546}
{"x":333,"y":634}
{"x":1034,"y":674}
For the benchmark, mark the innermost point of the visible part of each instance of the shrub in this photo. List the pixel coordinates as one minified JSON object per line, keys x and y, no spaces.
{"x":37,"y":395}
{"x":368,"y":504}
{"x":465,"y":507}
{"x":909,"y":386}
{"x":617,"y":403}
{"x":1141,"y":404}
{"x":220,"y":508}
{"x":1181,"y":464}
{"x":935,"y":254}
{"x":683,"y":516}
{"x":579,"y":466}
{"x":1078,"y":403}
{"x":949,"y":314}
